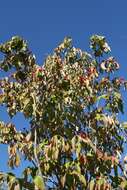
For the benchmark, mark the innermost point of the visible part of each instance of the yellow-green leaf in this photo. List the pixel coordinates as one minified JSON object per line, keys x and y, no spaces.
{"x":39,"y":183}
{"x":91,"y":185}
{"x":123,"y":185}
{"x":17,"y":160}
{"x":80,"y":176}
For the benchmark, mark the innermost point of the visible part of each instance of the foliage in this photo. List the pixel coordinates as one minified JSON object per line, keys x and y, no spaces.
{"x":72,"y":102}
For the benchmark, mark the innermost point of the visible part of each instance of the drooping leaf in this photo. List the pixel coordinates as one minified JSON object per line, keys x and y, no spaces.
{"x":17,"y":160}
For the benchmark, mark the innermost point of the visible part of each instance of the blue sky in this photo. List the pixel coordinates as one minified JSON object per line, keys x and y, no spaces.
{"x":45,"y":23}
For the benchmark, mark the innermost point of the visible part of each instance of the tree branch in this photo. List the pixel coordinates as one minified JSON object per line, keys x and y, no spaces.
{"x":35,"y":153}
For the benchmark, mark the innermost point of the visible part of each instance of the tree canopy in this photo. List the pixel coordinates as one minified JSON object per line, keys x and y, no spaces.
{"x":73,"y":103}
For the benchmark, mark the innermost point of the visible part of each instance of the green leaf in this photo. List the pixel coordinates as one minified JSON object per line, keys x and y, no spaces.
{"x":11,"y":179}
{"x":100,"y":182}
{"x":80,"y":176}
{"x":124,"y":125}
{"x":5,"y":67}
{"x":69,"y":180}
{"x":39,"y":183}
{"x":104,"y":96}
{"x":17,"y":160}
{"x":91,"y":185}
{"x":123,"y":185}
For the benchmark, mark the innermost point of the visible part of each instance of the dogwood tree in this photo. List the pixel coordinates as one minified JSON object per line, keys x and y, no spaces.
{"x":73,"y":103}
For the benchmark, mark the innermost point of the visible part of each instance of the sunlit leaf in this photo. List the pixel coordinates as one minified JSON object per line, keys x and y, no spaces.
{"x":39,"y":183}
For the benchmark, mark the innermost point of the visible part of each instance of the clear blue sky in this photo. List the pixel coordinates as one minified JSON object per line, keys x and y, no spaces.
{"x":45,"y":23}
